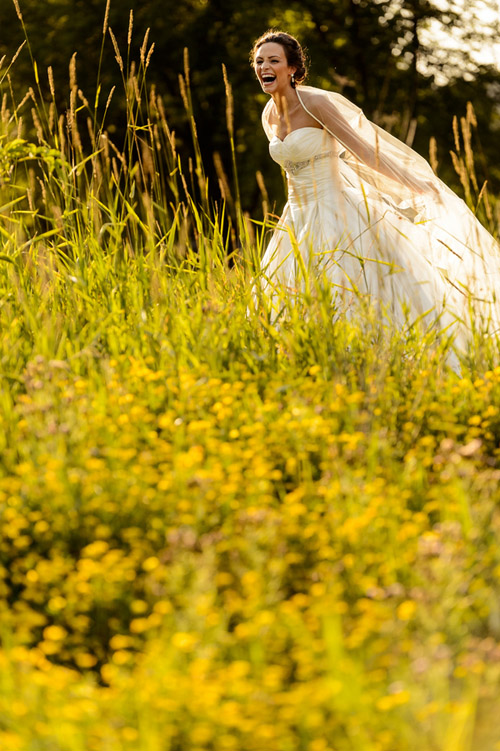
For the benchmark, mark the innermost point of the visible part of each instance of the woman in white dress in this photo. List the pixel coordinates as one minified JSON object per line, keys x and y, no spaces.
{"x":365,"y":211}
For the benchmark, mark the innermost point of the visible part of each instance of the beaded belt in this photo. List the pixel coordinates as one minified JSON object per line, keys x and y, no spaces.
{"x":294,"y":167}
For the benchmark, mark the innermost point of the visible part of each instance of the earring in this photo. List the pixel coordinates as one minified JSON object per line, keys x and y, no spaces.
{"x":292,"y":80}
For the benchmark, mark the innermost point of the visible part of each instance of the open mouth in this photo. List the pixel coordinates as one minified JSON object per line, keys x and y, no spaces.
{"x":268,"y":79}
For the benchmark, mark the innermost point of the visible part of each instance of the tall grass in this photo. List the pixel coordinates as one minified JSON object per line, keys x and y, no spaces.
{"x":218,"y":532}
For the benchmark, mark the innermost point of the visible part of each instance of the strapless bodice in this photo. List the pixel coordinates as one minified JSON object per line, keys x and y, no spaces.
{"x":301,"y":144}
{"x":306,"y":155}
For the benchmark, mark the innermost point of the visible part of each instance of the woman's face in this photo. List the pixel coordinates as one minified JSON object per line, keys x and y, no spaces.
{"x":271,"y":67}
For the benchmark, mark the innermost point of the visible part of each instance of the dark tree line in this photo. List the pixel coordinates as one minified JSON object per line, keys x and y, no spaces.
{"x":374,"y":52}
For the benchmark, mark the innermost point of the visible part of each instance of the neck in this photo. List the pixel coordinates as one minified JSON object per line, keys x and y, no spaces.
{"x":287,"y":100}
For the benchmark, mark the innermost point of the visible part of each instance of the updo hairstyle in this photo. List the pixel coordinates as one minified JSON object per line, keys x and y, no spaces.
{"x":295,"y":55}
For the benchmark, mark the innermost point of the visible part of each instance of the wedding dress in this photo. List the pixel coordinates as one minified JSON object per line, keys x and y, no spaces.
{"x":366,"y":213}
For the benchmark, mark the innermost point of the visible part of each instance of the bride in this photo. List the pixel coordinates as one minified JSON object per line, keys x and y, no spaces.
{"x":365,"y":211}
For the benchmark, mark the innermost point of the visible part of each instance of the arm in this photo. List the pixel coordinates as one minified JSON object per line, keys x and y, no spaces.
{"x":267,"y":119}
{"x":363,"y":142}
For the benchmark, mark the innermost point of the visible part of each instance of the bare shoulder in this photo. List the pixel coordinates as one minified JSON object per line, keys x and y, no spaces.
{"x":313,"y":99}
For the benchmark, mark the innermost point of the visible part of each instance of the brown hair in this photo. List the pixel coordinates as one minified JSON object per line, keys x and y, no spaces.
{"x":295,"y":55}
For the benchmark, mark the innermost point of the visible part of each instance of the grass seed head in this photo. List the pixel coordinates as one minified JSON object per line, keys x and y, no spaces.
{"x":144,"y":47}
{"x":118,"y":56}
{"x":106,"y":18}
{"x":130,"y":28}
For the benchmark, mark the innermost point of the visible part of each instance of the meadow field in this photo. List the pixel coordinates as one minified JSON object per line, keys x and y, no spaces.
{"x":217,"y":533}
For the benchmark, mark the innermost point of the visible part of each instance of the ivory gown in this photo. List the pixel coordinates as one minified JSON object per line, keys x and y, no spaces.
{"x":426,"y":255}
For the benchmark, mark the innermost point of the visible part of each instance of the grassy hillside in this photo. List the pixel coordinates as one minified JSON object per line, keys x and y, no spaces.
{"x":218,"y":533}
